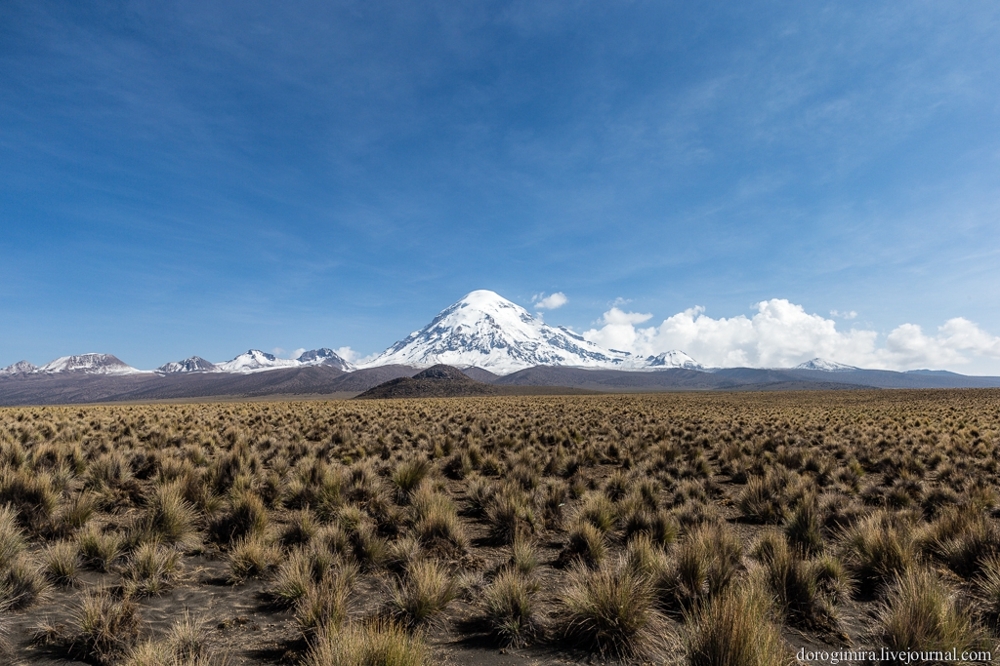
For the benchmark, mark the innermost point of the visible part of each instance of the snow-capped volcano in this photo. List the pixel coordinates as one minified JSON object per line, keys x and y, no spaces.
{"x":254,"y":360}
{"x":324,"y":356}
{"x":487,"y":331}
{"x":824,"y":366}
{"x":193,"y":364}
{"x":672,"y":359}
{"x":91,"y":364}
{"x":19,"y":368}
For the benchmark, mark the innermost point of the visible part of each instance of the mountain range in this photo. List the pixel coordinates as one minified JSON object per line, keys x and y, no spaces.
{"x":491,"y":339}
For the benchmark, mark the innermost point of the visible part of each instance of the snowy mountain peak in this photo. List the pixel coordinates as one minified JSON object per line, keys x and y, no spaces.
{"x":254,"y":360}
{"x":672,"y":359}
{"x":193,"y":364}
{"x":324,"y":356}
{"x":19,"y":368}
{"x":824,"y":366}
{"x":92,"y":364}
{"x":487,"y":331}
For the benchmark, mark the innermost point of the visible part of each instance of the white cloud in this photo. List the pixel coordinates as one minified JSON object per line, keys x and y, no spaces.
{"x":550,"y":302}
{"x":909,"y":346}
{"x":783,"y":334}
{"x":618,"y":330}
{"x":352,"y":356}
{"x":278,"y":351}
{"x":298,"y":352}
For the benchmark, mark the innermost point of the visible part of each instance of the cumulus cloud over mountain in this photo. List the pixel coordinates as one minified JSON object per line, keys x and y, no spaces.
{"x":550,"y":302}
{"x":783,"y":334}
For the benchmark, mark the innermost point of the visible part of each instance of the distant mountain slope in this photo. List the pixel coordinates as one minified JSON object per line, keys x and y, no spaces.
{"x":69,"y":388}
{"x":324,"y":356}
{"x":192,"y":364}
{"x":672,"y":359}
{"x":480,"y":375}
{"x":19,"y":368}
{"x":890,"y":379}
{"x":824,"y":366}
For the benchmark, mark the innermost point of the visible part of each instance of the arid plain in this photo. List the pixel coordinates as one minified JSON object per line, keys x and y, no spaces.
{"x":675,"y":528}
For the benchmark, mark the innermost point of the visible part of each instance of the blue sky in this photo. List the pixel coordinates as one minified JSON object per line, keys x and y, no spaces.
{"x":204,"y":177}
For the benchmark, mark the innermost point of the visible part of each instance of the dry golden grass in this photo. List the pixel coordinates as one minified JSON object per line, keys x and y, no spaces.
{"x":637,"y":527}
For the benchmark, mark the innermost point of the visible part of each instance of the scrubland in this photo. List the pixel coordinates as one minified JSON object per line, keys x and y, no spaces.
{"x":702,"y":529}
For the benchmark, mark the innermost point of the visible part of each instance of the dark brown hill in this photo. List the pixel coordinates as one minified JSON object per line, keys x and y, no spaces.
{"x":439,"y":381}
{"x":480,"y":375}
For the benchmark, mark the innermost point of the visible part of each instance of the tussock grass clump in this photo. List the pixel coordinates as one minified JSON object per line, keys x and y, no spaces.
{"x":920,"y":613}
{"x":252,"y":557}
{"x":292,"y":579}
{"x":988,"y":591}
{"x":510,"y":514}
{"x":369,"y":549}
{"x":185,"y":645}
{"x":659,"y":525}
{"x":585,"y":543}
{"x":510,"y":609}
{"x":876,"y":549}
{"x":599,"y":511}
{"x":110,"y":471}
{"x":762,"y":500}
{"x":62,"y":562}
{"x":74,"y":514}
{"x":735,"y":629}
{"x":480,"y":493}
{"x":323,"y":607}
{"x":409,"y":474}
{"x":645,"y":557}
{"x":21,"y":584}
{"x":963,"y":537}
{"x":436,"y":519}
{"x":704,"y":565}
{"x":554,"y":497}
{"x":803,"y":528}
{"x":377,"y":643}
{"x":34,"y":497}
{"x":424,"y":592}
{"x":403,"y":552}
{"x":12,"y":541}
{"x":152,"y":569}
{"x":300,"y":529}
{"x":609,"y":610}
{"x":459,"y":466}
{"x":99,"y":550}
{"x":333,"y":539}
{"x":104,"y":628}
{"x":247,"y":517}
{"x":168,"y":518}
{"x":795,"y":583}
{"x":523,"y":556}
